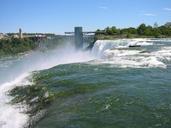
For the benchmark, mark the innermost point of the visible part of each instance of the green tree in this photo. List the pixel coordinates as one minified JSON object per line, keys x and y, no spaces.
{"x":14,"y":45}
{"x":141,"y":29}
{"x":155,"y":25}
{"x":168,"y":25}
{"x":114,"y":30}
{"x":148,"y":31}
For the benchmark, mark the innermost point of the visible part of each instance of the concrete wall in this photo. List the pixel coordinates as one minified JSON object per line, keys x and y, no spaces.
{"x":78,"y":37}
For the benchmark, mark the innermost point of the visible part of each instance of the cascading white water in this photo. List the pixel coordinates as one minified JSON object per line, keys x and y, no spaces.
{"x":11,"y":116}
{"x":14,"y":72}
{"x":118,"y":53}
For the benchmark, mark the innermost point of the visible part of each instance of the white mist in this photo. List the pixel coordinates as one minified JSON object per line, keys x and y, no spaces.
{"x":14,"y":72}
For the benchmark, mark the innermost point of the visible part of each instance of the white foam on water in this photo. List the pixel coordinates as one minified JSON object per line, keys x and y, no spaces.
{"x":111,"y":53}
{"x":144,"y":43}
{"x":101,"y":45}
{"x":161,"y":40}
{"x":138,"y":43}
{"x":139,"y":62}
{"x":115,"y":52}
{"x":164,"y":53}
{"x":11,"y":116}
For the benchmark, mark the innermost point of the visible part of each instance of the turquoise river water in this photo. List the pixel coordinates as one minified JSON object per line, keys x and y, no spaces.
{"x":111,"y":86}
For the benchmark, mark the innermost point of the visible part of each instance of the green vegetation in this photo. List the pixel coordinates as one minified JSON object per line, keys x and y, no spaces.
{"x":142,"y":31}
{"x":45,"y":91}
{"x":37,"y":97}
{"x":14,"y":46}
{"x":96,"y":96}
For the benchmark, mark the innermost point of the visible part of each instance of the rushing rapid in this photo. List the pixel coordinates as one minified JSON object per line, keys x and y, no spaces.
{"x":124,"y":82}
{"x":136,"y":53}
{"x":14,"y":71}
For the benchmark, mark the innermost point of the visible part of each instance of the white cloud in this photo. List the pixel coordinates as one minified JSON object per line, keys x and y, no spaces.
{"x":149,"y":14}
{"x":167,"y":9}
{"x":103,"y":7}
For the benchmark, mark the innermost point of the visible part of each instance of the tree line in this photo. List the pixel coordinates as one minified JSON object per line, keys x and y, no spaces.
{"x":14,"y":45}
{"x":142,"y":30}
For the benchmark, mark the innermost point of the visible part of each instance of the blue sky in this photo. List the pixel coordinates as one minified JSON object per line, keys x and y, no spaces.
{"x":58,"y":16}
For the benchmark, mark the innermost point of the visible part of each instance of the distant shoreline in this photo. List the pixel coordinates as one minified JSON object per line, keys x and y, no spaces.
{"x":142,"y":31}
{"x":124,"y":37}
{"x":16,"y":46}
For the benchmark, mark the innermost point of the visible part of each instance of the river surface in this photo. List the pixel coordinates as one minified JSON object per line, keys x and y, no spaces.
{"x":115,"y":85}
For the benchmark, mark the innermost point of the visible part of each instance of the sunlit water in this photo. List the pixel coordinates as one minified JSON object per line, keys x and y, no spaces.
{"x":111,"y":86}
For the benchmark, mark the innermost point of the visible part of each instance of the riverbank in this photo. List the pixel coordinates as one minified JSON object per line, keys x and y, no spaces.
{"x":114,"y":37}
{"x":142,"y":31}
{"x":14,"y":46}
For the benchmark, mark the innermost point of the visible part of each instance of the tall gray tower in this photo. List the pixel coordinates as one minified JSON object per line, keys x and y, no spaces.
{"x":79,"y":37}
{"x":20,"y":33}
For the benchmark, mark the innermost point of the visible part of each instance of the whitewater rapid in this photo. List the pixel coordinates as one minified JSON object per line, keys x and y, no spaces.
{"x":124,"y":53}
{"x":16,"y":72}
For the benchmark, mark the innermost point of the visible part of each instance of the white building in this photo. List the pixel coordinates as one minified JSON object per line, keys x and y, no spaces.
{"x":15,"y":36}
{"x":1,"y":35}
